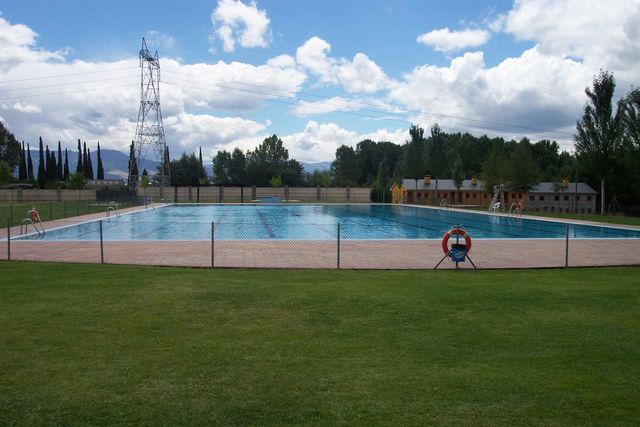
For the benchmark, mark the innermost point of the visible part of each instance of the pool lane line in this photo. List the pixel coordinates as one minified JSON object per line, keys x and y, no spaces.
{"x":266,"y":226}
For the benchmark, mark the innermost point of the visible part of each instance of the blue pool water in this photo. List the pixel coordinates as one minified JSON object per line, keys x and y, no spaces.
{"x":318,"y":222}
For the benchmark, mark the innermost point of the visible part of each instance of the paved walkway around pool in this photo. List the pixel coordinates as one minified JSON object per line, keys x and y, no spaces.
{"x":353,"y":254}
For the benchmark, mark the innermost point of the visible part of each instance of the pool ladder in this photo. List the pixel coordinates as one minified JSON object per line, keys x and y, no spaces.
{"x":112,"y":207}
{"x":33,"y":218}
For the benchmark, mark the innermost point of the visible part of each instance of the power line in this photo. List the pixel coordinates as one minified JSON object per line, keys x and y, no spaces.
{"x":65,"y":84}
{"x":65,"y":75}
{"x":68,"y":92}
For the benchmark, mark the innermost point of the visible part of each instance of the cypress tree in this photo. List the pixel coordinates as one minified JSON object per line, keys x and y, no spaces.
{"x":51,"y":175}
{"x":47,"y":163}
{"x":42,"y":179}
{"x":22,"y":170}
{"x":80,"y":166}
{"x":134,"y":163}
{"x":85,"y":169}
{"x":29,"y":164}
{"x":167,"y":161}
{"x":65,"y":173}
{"x":59,"y":175}
{"x":89,"y":165}
{"x":100,"y":170}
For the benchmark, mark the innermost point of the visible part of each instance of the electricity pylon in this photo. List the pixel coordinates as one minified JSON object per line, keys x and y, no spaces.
{"x":149,"y":130}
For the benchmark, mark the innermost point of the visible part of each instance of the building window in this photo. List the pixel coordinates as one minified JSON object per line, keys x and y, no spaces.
{"x":566,"y":198}
{"x":532,"y":198}
{"x":589,"y":210}
{"x":474,"y":195}
{"x":588,"y":198}
{"x":553,"y":209}
{"x":545,"y":209}
{"x":541,"y":198}
{"x":577,"y":198}
{"x":486,"y":195}
{"x":467,"y":195}
{"x":519,"y":195}
{"x":556,"y":197}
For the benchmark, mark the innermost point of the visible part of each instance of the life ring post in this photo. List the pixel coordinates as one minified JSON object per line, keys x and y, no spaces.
{"x":458,"y":252}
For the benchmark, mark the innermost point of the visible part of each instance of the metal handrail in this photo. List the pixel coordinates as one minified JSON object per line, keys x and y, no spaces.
{"x":34,"y":220}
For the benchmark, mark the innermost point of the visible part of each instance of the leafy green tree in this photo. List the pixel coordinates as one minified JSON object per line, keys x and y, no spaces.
{"x":521,"y":171}
{"x":382,"y":183}
{"x":599,"y":139}
{"x":371,"y":153}
{"x":144,"y":182}
{"x":457,"y":172}
{"x":271,"y":159}
{"x":412,"y":163}
{"x":237,"y":167}
{"x":9,"y":148}
{"x":493,"y":169}
{"x":77,"y":181}
{"x":276,"y":182}
{"x":437,"y":154}
{"x":345,"y":168}
{"x":222,"y":168}
{"x":317,"y":178}
{"x":5,"y":172}
{"x":186,"y":171}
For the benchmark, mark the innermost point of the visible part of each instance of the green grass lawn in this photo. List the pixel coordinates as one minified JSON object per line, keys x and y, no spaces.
{"x":93,"y":344}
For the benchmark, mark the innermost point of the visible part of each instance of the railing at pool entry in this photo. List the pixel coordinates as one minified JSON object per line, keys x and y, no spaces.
{"x":309,"y":245}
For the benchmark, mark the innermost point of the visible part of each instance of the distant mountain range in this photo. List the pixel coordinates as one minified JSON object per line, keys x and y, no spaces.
{"x":115,"y":163}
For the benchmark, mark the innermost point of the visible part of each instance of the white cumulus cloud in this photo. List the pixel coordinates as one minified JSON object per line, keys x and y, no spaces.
{"x":235,"y":22}
{"x":445,"y":40}
{"x":602,"y":33}
{"x":17,"y":42}
{"x":360,"y":75}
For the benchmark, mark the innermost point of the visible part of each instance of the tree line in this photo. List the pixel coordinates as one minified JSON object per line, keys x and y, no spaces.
{"x":53,"y":171}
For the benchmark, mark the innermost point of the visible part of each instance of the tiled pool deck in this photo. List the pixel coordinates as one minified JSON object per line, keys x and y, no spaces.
{"x":353,"y":254}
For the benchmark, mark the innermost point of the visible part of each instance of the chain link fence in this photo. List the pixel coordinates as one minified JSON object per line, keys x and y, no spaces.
{"x":319,"y":245}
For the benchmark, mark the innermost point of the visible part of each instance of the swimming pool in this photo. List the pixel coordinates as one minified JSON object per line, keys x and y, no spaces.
{"x":319,"y":222}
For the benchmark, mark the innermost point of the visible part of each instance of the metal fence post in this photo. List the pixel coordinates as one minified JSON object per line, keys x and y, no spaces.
{"x":338,"y":252}
{"x":8,"y":240}
{"x":50,"y":210}
{"x":213,"y":249}
{"x":101,"y":245}
{"x":566,"y":248}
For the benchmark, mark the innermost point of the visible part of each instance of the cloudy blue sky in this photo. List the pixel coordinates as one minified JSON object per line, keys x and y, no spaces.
{"x":318,"y":74}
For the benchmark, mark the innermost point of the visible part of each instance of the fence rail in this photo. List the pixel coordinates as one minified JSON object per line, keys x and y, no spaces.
{"x":303,"y":245}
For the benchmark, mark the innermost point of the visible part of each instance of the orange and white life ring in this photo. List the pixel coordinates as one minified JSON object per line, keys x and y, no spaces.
{"x":456,"y":231}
